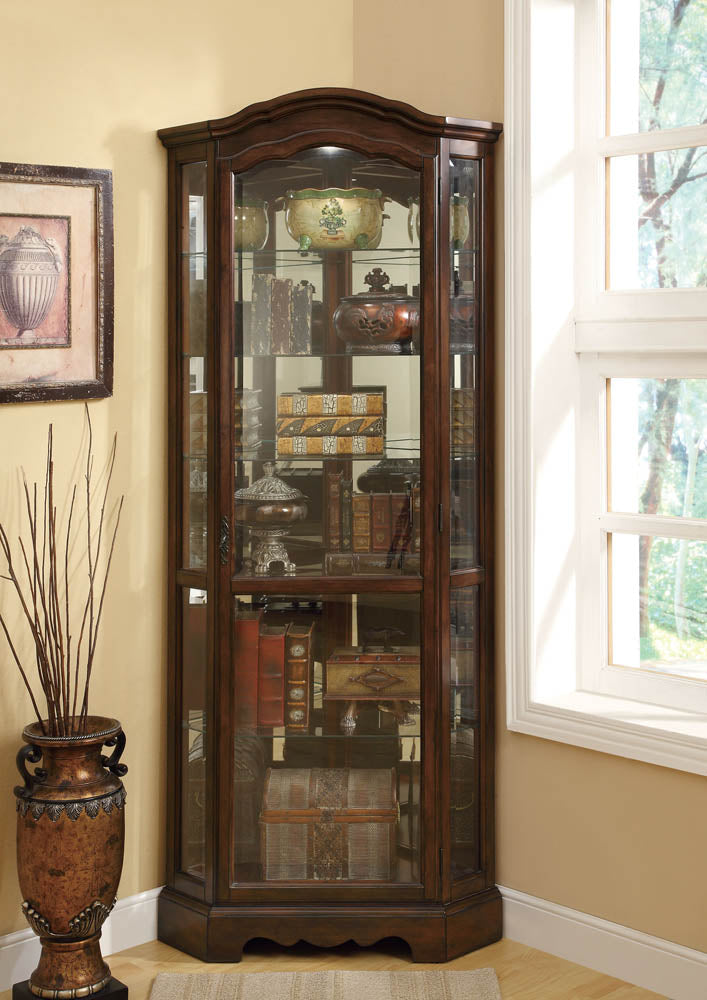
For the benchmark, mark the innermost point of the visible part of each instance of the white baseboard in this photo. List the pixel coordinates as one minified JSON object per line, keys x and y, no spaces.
{"x":654,"y":964}
{"x":132,"y":922}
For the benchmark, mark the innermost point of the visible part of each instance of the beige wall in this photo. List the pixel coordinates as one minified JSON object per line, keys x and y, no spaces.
{"x":615,"y":838}
{"x":612,"y":837}
{"x":88,"y":85}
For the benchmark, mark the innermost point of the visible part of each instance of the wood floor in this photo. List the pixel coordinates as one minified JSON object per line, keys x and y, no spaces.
{"x":524,"y":974}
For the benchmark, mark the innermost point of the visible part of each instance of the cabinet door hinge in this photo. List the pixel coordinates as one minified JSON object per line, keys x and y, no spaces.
{"x":440,"y":518}
{"x":224,"y":541}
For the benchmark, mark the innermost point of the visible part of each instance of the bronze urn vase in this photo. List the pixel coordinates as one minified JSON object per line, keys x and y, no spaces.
{"x":70,"y":838}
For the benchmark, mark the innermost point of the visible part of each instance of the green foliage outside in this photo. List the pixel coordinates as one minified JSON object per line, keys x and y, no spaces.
{"x":672,"y":190}
{"x":672,"y":184}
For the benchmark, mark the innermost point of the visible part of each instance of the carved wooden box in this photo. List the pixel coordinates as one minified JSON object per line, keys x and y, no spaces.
{"x":355,"y":675}
{"x":329,"y":824}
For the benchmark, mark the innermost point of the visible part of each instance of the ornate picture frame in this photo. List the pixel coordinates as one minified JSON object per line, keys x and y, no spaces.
{"x":56,"y":283}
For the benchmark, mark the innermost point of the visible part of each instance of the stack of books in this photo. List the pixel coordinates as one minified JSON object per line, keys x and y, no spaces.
{"x":463,"y":421}
{"x":247,"y":422}
{"x":371,"y":532}
{"x":280,"y":317}
{"x":274,"y":673}
{"x":316,"y":423}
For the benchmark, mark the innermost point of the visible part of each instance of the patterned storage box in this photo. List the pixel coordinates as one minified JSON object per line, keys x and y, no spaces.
{"x":329,"y":824}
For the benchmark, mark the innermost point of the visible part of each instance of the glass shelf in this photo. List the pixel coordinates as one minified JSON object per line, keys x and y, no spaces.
{"x":270,"y":455}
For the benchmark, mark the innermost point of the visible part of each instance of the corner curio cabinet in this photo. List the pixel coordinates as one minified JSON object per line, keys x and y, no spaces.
{"x":330,"y":529}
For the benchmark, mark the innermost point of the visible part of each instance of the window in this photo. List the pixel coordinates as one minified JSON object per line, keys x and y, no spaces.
{"x":606,"y":412}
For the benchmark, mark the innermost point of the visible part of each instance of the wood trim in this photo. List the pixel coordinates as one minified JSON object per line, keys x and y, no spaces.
{"x":332,"y":99}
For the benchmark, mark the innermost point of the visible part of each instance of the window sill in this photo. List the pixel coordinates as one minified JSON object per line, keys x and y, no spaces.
{"x":664,"y":736}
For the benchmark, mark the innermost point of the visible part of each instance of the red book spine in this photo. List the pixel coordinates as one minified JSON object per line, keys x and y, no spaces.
{"x":246,"y":629}
{"x":271,"y":675}
{"x":380,"y":522}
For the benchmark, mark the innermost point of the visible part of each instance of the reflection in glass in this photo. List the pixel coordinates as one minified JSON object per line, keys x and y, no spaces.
{"x":464,"y":714}
{"x":327,"y":367}
{"x":659,"y":604}
{"x":193,"y":750}
{"x":657,"y":224}
{"x":193,"y":318}
{"x":327,"y":709}
{"x":658,"y":446}
{"x":463,"y":362}
{"x":657,"y":64}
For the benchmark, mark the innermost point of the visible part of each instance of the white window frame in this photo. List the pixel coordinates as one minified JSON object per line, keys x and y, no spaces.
{"x":656,"y":333}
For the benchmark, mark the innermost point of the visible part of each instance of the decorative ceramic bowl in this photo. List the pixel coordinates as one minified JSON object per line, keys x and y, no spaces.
{"x":335,"y":218}
{"x":250,"y":224}
{"x":378,"y":321}
{"x":458,"y":220}
{"x":268,"y":507}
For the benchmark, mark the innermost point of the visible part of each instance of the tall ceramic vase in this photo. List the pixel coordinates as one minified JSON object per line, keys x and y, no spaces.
{"x":70,"y":837}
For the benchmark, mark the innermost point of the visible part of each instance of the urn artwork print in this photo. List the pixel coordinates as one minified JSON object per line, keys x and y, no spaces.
{"x":56,"y":283}
{"x":34,"y":281}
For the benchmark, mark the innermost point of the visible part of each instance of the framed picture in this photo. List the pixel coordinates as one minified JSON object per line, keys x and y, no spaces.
{"x":56,"y":283}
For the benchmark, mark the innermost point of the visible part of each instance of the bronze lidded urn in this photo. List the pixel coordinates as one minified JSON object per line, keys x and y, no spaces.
{"x":70,"y":839}
{"x":380,"y":320}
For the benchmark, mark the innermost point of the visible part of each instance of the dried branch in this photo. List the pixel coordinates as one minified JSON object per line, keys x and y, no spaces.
{"x":64,"y":670}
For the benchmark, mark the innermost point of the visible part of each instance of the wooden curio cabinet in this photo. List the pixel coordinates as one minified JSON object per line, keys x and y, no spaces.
{"x":331,"y":528}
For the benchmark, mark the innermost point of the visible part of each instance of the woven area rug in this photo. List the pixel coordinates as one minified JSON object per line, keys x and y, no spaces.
{"x":480,"y":984}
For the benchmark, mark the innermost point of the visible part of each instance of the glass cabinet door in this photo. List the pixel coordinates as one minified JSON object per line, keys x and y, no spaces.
{"x":194,"y":360}
{"x":464,"y":381}
{"x":327,"y":505}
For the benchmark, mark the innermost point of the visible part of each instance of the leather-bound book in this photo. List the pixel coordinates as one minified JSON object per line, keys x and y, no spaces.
{"x":246,"y":632}
{"x":381,"y":528}
{"x":346,"y":515}
{"x":361,"y":515}
{"x":323,"y":426}
{"x":301,"y":334}
{"x":333,"y":492}
{"x":298,"y":677}
{"x":281,"y":315}
{"x":371,"y":564}
{"x":330,"y":444}
{"x":400,"y":522}
{"x":271,"y":675}
{"x":259,"y":342}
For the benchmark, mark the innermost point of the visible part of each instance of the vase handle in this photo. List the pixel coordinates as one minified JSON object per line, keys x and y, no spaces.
{"x":33,"y":754}
{"x":113,"y":762}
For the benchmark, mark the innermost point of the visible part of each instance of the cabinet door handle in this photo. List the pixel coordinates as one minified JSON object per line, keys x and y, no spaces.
{"x":224,"y":540}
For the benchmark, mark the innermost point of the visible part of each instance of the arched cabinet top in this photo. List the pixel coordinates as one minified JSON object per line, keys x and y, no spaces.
{"x":325,"y":109}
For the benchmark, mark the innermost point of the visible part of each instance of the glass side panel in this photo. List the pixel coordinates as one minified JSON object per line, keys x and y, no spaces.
{"x":657,"y":228}
{"x":193,"y":320}
{"x":327,"y":706}
{"x":657,"y":58}
{"x":327,"y":367}
{"x":658,"y":604}
{"x":465,"y":735}
{"x":658,"y":446}
{"x":193,"y":748}
{"x":463,"y":361}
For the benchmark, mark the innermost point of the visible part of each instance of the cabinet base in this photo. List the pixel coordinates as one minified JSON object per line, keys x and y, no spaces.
{"x":434,"y":932}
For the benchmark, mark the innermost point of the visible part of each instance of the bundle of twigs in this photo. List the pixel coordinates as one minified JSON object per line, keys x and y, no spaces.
{"x":40,"y":576}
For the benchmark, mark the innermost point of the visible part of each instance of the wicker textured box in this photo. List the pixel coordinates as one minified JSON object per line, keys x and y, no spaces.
{"x":329,"y":824}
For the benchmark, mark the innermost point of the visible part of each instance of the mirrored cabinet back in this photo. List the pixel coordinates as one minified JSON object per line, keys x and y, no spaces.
{"x":331,"y":521}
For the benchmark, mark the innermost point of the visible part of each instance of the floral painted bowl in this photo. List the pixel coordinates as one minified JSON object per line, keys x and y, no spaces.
{"x":335,"y":218}
{"x":458,"y":219}
{"x":250,"y":224}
